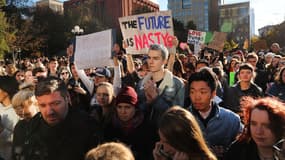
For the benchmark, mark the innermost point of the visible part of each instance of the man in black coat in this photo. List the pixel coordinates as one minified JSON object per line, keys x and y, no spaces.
{"x":58,"y":132}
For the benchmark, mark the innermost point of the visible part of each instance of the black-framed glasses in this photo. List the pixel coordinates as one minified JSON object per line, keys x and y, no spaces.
{"x":279,"y":151}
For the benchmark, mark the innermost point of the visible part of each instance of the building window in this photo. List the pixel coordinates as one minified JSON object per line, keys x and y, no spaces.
{"x":243,"y":11}
{"x":186,"y":3}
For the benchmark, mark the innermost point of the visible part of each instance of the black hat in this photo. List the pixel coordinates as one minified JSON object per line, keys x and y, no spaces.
{"x":9,"y":85}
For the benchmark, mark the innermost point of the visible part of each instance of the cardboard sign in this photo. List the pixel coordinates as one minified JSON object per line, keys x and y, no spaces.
{"x":260,"y":45}
{"x":140,"y":31}
{"x":94,"y":50}
{"x":218,"y":41}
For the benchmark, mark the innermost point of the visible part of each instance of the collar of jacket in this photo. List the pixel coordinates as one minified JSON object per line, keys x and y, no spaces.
{"x":217,"y":114}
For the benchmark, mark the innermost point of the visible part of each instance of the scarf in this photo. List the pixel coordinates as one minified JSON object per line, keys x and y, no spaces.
{"x":131,"y":125}
{"x":167,"y":80}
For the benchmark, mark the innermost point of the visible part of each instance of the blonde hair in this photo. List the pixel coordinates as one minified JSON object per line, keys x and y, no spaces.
{"x":110,"y":151}
{"x":108,"y":85}
{"x":23,"y":95}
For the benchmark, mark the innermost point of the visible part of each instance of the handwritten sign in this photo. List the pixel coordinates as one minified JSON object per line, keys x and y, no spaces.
{"x":140,"y":31}
{"x":218,"y":41}
{"x":196,"y":37}
{"x":94,"y":50}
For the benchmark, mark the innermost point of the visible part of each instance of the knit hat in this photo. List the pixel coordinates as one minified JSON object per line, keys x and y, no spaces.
{"x":9,"y":85}
{"x":127,"y":95}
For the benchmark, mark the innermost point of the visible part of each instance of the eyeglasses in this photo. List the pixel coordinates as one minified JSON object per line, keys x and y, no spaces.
{"x":62,"y":73}
{"x":278,"y":149}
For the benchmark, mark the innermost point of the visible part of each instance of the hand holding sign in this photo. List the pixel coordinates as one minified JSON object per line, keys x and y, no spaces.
{"x":183,"y":46}
{"x":175,"y":41}
{"x":125,"y":44}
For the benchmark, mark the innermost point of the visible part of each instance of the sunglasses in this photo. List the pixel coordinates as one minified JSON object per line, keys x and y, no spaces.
{"x":62,"y":73}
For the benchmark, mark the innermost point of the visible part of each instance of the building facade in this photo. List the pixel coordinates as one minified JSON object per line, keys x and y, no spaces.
{"x":235,"y":20}
{"x":204,"y":13}
{"x":252,"y":23}
{"x":110,"y":10}
{"x":54,"y":5}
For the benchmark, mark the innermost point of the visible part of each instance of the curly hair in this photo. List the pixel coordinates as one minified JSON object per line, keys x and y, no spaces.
{"x":110,"y":151}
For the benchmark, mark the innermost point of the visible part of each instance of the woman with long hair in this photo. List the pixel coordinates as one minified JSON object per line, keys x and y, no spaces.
{"x":180,"y":137}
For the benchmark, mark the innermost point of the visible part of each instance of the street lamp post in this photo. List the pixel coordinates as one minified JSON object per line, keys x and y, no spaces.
{"x":19,"y":53}
{"x":77,"y":30}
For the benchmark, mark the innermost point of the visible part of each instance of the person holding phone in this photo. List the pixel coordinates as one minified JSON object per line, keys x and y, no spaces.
{"x":180,"y":137}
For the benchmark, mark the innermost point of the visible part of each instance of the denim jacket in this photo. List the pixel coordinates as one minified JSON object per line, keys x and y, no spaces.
{"x":171,"y":92}
{"x":222,"y":129}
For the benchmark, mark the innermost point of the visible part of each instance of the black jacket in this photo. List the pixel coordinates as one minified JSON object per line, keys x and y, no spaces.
{"x":69,"y":140}
{"x":242,"y":151}
{"x":141,"y":139}
{"x":234,"y":93}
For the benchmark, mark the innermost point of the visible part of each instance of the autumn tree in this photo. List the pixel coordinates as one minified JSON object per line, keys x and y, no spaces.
{"x":179,"y":30}
{"x":7,"y":35}
{"x":191,"y":25}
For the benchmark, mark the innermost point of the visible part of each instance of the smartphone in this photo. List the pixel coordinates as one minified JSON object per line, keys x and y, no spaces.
{"x":163,"y":153}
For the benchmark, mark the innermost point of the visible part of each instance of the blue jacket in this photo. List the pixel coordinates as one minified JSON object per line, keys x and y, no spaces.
{"x":221,"y":129}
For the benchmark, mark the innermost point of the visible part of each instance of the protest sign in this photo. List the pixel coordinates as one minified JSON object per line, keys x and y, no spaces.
{"x":260,"y":45}
{"x":196,"y":37}
{"x":140,"y":31}
{"x":218,"y":41}
{"x":94,"y":50}
{"x":232,"y":78}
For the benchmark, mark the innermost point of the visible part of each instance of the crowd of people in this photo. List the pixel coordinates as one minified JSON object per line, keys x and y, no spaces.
{"x":158,"y":106}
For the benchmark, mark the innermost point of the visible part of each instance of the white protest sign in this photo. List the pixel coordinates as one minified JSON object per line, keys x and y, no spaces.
{"x":94,"y":50}
{"x":140,"y":31}
{"x":196,"y":37}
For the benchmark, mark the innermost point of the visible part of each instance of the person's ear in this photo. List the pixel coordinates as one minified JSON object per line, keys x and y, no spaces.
{"x":214,"y":93}
{"x":68,"y":99}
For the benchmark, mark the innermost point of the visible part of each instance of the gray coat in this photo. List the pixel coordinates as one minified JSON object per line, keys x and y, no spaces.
{"x":171,"y":92}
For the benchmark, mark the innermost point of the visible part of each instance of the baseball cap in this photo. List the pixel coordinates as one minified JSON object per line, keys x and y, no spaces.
{"x":103,"y":72}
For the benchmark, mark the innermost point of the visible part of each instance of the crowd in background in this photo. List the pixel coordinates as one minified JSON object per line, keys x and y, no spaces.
{"x":208,"y":105}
